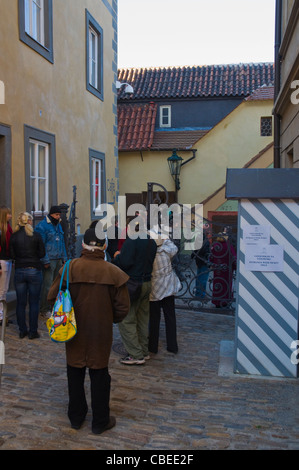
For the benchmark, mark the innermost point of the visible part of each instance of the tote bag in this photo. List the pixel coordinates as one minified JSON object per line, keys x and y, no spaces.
{"x":62,"y":325}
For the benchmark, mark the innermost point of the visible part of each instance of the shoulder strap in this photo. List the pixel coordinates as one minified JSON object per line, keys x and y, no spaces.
{"x":66,"y":266}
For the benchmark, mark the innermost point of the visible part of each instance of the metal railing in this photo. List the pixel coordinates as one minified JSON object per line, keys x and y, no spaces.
{"x":207,"y":284}
{"x":211,"y":287}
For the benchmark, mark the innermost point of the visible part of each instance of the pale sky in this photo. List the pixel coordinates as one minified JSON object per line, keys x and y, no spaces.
{"x":158,"y":33}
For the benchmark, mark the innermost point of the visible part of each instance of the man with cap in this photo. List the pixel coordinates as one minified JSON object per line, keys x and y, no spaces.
{"x":53,"y":237}
{"x":100,"y":298}
{"x":136,"y":258}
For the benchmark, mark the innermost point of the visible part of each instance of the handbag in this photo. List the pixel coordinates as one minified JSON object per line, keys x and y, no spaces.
{"x":62,"y":325}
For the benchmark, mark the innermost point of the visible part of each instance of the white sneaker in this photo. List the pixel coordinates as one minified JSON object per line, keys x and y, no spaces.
{"x":129,"y":360}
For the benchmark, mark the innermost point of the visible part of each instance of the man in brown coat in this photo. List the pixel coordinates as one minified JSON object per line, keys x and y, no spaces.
{"x":100,"y":298}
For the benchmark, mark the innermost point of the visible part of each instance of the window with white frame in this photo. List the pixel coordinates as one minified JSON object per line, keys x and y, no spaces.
{"x":94,"y":56}
{"x":97,"y":179}
{"x":36,"y":26}
{"x":39,"y":175}
{"x":34,"y":20}
{"x":40,"y":170}
{"x":96,"y":182}
{"x":165,"y":116}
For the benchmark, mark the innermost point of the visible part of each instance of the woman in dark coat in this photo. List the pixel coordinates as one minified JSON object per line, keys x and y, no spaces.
{"x":27,"y":249}
{"x":223,"y":255}
{"x":201,"y":259}
{"x":100,"y":298}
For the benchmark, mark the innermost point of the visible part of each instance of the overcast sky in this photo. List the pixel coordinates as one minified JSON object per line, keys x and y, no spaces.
{"x":155,"y":33}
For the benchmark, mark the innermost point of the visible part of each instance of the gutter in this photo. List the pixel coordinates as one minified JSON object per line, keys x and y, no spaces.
{"x":277,"y":84}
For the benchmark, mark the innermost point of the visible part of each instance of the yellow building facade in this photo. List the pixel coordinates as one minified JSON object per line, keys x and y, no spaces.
{"x":58,"y":113}
{"x":232,"y":143}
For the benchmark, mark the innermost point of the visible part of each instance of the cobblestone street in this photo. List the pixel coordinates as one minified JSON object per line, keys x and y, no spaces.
{"x":188,"y":401}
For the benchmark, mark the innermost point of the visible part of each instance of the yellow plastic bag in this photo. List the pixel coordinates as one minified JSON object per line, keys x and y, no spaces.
{"x":62,"y":325}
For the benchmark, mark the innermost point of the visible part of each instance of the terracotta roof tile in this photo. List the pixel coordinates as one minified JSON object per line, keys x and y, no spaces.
{"x":180,"y":140}
{"x":262,"y":94}
{"x":136,"y":126}
{"x":197,"y":81}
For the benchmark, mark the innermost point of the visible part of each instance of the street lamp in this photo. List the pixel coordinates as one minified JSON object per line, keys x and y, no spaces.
{"x":175,"y":163}
{"x":128,"y":87}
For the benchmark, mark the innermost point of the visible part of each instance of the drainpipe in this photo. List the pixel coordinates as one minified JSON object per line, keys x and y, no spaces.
{"x":277,"y":65}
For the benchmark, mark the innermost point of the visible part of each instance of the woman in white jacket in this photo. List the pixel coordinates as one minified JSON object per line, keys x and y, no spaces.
{"x":164,"y":286}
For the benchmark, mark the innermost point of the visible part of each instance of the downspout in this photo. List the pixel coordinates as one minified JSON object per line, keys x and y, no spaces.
{"x":277,"y":65}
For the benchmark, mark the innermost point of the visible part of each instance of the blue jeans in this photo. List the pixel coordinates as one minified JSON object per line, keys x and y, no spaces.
{"x":201,"y":281}
{"x":28,"y":282}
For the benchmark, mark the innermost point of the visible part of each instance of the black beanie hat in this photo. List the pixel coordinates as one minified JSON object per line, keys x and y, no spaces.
{"x":55,"y":210}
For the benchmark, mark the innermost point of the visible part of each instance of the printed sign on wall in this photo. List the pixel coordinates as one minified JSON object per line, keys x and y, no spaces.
{"x":260,"y":255}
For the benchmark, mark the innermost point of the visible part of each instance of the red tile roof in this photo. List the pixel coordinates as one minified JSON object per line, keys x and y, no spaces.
{"x":180,"y":140}
{"x":262,"y":94}
{"x":136,"y":122}
{"x":136,"y":130}
{"x":198,"y":81}
{"x":136,"y":126}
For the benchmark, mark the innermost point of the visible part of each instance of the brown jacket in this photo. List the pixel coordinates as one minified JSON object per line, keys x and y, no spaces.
{"x":100,"y":298}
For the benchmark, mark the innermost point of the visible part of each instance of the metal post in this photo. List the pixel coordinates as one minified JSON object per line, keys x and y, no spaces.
{"x":2,"y":344}
{"x":64,"y":223}
{"x":72,"y":239}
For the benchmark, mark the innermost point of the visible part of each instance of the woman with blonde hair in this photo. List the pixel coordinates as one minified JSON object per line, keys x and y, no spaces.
{"x":5,"y":261}
{"x":27,"y":249}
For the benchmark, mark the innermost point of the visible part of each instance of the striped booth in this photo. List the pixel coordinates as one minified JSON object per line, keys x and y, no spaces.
{"x":266,"y":334}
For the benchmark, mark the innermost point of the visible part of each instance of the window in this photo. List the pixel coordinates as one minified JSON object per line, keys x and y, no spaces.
{"x":97,"y":180}
{"x":5,"y":165}
{"x":36,"y":26}
{"x":94,"y":56}
{"x":165,"y":116}
{"x":266,"y":126}
{"x":39,"y":175}
{"x":40,"y":170}
{"x":34,"y":20}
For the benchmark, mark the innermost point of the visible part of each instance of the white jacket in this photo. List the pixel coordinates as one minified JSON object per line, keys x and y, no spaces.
{"x":164,"y":280}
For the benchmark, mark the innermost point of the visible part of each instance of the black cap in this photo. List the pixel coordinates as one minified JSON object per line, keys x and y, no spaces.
{"x":91,"y":239}
{"x":55,"y":210}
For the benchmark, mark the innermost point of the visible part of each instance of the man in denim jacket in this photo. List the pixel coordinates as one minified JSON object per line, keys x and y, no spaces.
{"x":53,"y":238}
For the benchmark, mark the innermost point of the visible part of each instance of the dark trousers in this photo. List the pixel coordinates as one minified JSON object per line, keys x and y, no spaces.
{"x":28,"y":283}
{"x":167,"y":305}
{"x":49,"y":275}
{"x":100,"y":395}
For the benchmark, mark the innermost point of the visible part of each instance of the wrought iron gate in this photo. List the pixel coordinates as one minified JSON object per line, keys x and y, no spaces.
{"x":208,"y":275}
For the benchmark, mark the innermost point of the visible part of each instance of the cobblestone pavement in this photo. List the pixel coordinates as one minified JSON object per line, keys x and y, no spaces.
{"x":173,"y":402}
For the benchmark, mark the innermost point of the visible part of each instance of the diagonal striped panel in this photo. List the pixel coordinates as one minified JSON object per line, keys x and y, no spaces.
{"x":267,"y":307}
